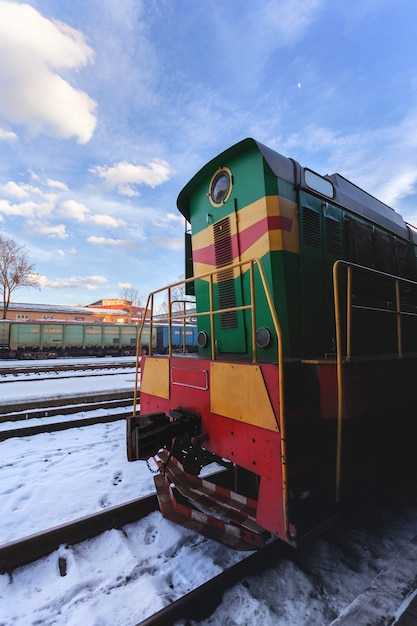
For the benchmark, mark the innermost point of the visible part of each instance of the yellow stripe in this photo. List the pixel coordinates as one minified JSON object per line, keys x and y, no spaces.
{"x":202,"y":268}
{"x":290,"y":239}
{"x":267,"y":206}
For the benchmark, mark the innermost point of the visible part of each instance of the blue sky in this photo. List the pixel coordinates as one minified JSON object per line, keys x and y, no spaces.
{"x":108,"y":108}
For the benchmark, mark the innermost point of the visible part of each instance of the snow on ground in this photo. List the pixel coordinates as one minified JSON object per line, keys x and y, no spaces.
{"x":61,"y":386}
{"x":122,"y":576}
{"x":51,"y":478}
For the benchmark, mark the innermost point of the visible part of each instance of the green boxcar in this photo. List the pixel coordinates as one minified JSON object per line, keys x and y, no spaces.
{"x":52,"y":335}
{"x":93,"y":336}
{"x":4,"y":334}
{"x":74,"y":336}
{"x":25,"y":336}
{"x":128,"y":338}
{"x":111,"y":336}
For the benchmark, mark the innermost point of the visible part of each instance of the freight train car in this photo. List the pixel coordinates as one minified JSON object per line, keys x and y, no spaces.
{"x":31,"y":340}
{"x":182,"y":339}
{"x":306,"y":306}
{"x":35,"y":340}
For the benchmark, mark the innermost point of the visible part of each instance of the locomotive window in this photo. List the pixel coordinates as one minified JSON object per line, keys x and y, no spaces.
{"x":319,"y":184}
{"x":220,"y":186}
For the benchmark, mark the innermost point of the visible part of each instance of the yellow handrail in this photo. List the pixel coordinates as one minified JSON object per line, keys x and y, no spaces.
{"x":210,"y":275}
{"x":346,"y":355}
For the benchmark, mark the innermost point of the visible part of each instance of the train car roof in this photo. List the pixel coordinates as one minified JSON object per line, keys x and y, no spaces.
{"x":359,"y":201}
{"x":60,"y":308}
{"x":346,"y":194}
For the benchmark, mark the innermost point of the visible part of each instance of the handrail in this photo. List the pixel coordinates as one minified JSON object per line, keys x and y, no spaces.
{"x":343,"y":356}
{"x":210,"y":275}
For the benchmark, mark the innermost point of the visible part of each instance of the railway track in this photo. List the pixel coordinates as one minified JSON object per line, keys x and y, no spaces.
{"x":9,"y":374}
{"x":29,"y":409}
{"x":375,"y":605}
{"x":37,"y":411}
{"x":24,"y":551}
{"x":200,"y":603}
{"x":26,"y":408}
{"x":197,"y":604}
{"x":378,"y":604}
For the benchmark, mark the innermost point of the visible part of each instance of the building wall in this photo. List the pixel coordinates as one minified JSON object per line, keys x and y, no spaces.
{"x":33,"y":313}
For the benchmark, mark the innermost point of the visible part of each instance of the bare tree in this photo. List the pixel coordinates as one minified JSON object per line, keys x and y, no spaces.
{"x":178,"y":300}
{"x":132,"y":295}
{"x":15,"y":270}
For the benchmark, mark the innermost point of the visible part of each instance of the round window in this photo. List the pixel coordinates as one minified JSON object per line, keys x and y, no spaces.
{"x":220,"y":187}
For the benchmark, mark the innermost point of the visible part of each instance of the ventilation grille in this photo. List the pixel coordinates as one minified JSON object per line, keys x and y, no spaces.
{"x":333,"y":237}
{"x":311,"y":228}
{"x":225,"y":282}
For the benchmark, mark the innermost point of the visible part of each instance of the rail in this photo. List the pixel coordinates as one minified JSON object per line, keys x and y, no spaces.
{"x":30,"y":549}
{"x":343,"y":292}
{"x":178,"y":316}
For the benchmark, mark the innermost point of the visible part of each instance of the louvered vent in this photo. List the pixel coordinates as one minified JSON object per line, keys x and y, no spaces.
{"x":311,"y":228}
{"x":333,"y":237}
{"x":226,"y":284}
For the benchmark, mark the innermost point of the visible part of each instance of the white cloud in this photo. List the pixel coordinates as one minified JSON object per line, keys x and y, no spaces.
{"x":169,"y":243}
{"x":105,"y":241}
{"x":72,"y":209}
{"x":7,"y":135}
{"x":174,"y":217}
{"x":126,"y":190}
{"x":63,"y":253}
{"x":89,"y":283}
{"x":16,"y":191}
{"x":34,"y":50}
{"x":99,"y":280}
{"x":107,"y":221}
{"x":288,"y":20}
{"x":54,"y":232}
{"x":26,"y":209}
{"x":380,"y":160}
{"x":56,"y":184}
{"x":123,"y":175}
{"x":33,"y":175}
{"x":21,"y":190}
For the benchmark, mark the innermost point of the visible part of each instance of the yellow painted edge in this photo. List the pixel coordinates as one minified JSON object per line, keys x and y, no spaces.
{"x":155,"y":377}
{"x":238,"y":391}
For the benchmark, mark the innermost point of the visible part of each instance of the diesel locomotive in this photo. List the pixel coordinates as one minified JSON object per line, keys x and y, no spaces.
{"x":306,"y":308}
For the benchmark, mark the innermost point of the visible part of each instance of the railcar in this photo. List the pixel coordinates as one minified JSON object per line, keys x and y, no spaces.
{"x":46,"y":339}
{"x":183,"y":338}
{"x":306,"y":306}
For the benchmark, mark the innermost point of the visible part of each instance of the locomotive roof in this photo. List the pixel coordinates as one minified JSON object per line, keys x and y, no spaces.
{"x":346,"y":194}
